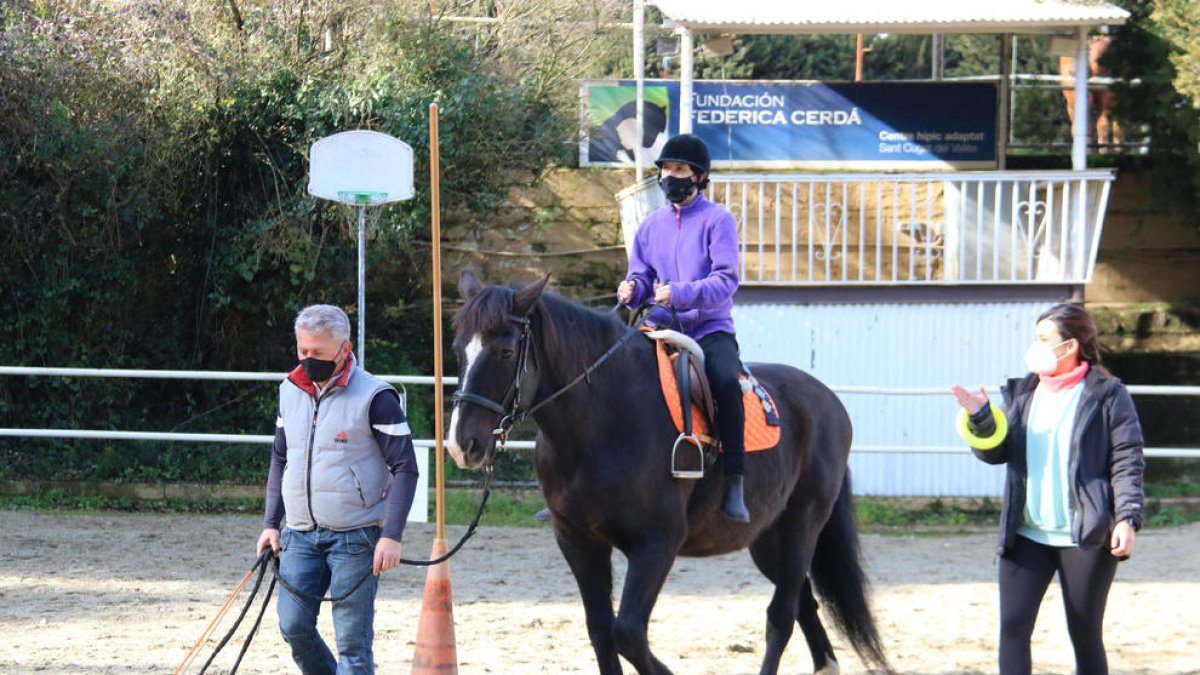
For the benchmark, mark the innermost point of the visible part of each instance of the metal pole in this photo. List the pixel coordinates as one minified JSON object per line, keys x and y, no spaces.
{"x":938,"y":47}
{"x":362,"y":286}
{"x":436,"y":240}
{"x":685,"y":80}
{"x":1002,"y":106}
{"x":1012,"y":101}
{"x":1079,"y":134}
{"x":639,"y":74}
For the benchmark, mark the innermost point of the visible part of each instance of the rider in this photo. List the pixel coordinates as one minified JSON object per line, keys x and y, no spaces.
{"x":685,"y":254}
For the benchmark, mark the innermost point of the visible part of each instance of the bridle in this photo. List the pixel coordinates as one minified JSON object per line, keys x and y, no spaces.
{"x":510,"y":409}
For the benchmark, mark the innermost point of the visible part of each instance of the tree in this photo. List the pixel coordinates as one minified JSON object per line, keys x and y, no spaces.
{"x":1144,"y":55}
{"x":1178,"y":20}
{"x":153,"y":210}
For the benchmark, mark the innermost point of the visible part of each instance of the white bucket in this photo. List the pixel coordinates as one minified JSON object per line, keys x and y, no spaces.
{"x":636,"y":202}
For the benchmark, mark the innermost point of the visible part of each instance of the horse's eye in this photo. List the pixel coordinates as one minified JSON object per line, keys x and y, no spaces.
{"x":506,"y":353}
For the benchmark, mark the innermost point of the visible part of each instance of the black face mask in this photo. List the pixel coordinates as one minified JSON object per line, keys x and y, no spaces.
{"x":677,"y":189}
{"x":318,"y":370}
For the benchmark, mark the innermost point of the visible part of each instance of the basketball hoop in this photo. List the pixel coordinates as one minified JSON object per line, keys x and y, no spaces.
{"x":360,"y":169}
{"x":354,"y":203}
{"x":361,"y":197}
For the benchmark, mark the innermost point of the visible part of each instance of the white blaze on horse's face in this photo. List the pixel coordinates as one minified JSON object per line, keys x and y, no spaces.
{"x":472,"y":352}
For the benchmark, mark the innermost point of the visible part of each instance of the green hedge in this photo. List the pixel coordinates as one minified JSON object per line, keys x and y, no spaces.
{"x":154,"y":213}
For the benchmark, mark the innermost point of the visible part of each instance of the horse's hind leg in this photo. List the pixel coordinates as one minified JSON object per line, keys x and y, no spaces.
{"x":780,"y":556}
{"x":819,"y":646}
{"x":591,"y":563}
{"x":775,"y":561}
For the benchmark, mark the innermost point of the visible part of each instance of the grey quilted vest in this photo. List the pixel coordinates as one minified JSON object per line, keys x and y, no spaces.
{"x":335,"y":475}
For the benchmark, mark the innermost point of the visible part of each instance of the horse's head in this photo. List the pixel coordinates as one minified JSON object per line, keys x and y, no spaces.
{"x":495,"y":375}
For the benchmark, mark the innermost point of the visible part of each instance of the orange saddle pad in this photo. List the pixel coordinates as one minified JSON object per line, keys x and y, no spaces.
{"x":759,"y":434}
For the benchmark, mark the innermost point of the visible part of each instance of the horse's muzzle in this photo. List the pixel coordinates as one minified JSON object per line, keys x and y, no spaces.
{"x":475,"y":455}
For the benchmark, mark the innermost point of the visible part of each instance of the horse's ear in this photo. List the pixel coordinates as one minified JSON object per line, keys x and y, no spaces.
{"x":468,"y":285}
{"x":525,"y":296}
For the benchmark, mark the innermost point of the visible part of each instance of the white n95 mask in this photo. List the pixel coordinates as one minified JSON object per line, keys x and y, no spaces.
{"x":1041,"y":359}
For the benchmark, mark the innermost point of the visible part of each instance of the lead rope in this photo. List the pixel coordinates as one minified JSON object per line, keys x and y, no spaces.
{"x":267,"y":558}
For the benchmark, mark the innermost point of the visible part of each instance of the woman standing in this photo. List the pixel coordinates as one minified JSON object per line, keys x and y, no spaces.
{"x":1073,"y":498}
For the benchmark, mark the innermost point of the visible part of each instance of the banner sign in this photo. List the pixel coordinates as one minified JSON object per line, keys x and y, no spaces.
{"x":800,"y":125}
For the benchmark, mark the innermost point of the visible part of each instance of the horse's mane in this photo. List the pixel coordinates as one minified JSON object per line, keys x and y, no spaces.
{"x":575,"y":334}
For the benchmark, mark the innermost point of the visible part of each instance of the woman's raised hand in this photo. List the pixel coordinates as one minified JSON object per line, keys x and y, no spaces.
{"x":971,"y":401}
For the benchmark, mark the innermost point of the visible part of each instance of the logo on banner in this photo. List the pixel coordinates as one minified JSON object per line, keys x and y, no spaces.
{"x":612,"y":117}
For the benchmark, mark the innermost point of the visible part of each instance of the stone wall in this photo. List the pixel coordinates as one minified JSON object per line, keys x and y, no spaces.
{"x":1146,"y":255}
{"x":567,"y":224}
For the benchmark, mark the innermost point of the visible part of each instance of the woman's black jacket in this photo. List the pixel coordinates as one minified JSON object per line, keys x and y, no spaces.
{"x":1106,"y":462}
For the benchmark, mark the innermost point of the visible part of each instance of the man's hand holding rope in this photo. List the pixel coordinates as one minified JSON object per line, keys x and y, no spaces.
{"x":387,"y":555}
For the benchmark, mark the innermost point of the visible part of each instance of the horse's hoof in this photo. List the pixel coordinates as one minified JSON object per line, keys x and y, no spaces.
{"x":830,"y":669}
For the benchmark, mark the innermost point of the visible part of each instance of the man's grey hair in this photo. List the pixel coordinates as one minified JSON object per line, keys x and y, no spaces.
{"x":324,"y":319}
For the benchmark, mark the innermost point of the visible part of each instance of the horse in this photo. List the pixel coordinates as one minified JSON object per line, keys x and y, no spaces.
{"x":603,"y":460}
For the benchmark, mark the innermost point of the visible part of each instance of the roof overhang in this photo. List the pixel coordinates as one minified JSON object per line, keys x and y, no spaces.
{"x":1018,"y":17}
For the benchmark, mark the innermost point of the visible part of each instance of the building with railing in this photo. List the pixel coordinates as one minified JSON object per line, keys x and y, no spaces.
{"x":918,"y":279}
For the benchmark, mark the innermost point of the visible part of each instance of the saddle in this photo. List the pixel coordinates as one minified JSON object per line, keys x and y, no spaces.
{"x":689,"y":399}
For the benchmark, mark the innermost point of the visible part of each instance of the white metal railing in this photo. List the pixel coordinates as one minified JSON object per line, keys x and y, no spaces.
{"x":1137,"y":390}
{"x":987,"y":227}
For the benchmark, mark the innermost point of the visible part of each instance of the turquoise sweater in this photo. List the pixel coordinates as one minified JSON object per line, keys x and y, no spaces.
{"x":1047,"y":516}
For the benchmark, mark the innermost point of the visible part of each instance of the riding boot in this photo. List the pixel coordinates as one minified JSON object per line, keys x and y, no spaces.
{"x":733,"y":502}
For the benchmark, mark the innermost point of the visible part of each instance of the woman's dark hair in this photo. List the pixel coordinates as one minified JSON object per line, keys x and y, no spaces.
{"x":1074,"y":323}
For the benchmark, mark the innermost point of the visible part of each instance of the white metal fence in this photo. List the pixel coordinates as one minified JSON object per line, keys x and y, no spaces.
{"x":1137,"y":390}
{"x":995,"y":227}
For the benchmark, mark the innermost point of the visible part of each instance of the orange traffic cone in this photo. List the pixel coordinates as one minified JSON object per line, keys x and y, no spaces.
{"x":435,"y":651}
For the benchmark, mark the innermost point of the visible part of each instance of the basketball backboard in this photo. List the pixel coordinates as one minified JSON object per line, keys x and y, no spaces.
{"x":348,"y":166}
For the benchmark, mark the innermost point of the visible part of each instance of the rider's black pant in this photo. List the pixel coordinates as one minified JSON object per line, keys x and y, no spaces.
{"x":723,"y":367}
{"x":1085,"y":576}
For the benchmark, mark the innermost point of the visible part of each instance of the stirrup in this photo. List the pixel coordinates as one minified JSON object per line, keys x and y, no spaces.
{"x":693,"y":474}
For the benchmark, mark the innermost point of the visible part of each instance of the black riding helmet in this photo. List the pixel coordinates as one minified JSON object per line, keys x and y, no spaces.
{"x":690,"y":150}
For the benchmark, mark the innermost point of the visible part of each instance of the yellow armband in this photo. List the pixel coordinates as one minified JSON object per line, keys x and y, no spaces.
{"x":964,"y":429}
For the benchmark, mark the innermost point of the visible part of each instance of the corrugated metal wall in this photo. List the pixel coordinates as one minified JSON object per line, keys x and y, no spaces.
{"x":900,"y":345}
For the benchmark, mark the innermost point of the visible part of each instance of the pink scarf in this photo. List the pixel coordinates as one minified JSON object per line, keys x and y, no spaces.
{"x":1066,"y":380}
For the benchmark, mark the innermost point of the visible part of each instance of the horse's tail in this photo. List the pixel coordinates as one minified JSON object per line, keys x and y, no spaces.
{"x":838,"y":577}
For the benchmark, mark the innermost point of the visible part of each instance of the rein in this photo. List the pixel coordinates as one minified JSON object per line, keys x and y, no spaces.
{"x":469,"y":533}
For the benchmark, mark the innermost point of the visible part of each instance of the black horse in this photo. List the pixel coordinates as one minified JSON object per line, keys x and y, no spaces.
{"x":603,"y":460}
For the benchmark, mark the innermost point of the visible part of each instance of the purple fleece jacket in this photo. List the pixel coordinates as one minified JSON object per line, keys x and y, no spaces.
{"x":695,"y":249}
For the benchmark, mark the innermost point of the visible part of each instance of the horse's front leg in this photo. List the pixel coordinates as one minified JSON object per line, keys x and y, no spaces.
{"x":649,"y":564}
{"x":591,"y":563}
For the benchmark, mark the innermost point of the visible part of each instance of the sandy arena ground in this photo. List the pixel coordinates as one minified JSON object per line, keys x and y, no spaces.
{"x":130,"y":594}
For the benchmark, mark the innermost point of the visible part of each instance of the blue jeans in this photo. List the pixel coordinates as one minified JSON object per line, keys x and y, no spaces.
{"x":324,"y":561}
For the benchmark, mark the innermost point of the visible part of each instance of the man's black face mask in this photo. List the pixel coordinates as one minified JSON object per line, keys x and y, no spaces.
{"x":319,"y":370}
